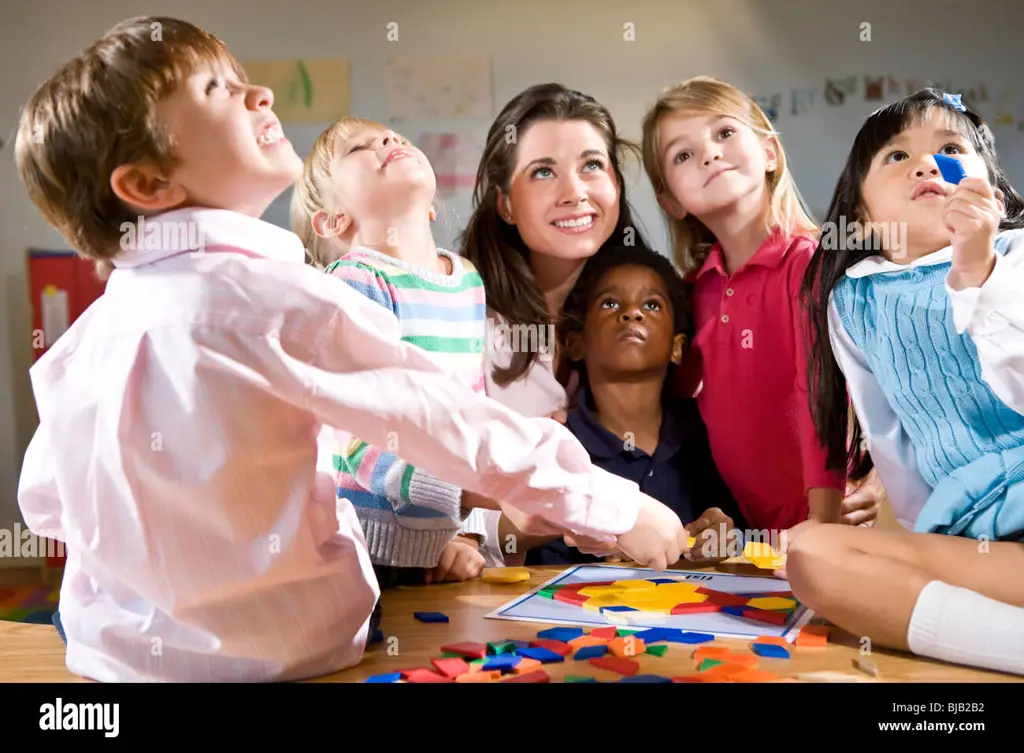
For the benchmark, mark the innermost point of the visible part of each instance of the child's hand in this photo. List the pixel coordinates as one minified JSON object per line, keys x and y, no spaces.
{"x":658,"y":537}
{"x":532,"y":525}
{"x":972,"y":215}
{"x":559,"y":415}
{"x":711,"y":531}
{"x":787,"y":539}
{"x":862,"y":503}
{"x":460,"y":560}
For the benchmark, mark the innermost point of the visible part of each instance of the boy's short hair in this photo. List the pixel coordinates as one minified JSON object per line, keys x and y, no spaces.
{"x":574,"y":311}
{"x":96,"y":114}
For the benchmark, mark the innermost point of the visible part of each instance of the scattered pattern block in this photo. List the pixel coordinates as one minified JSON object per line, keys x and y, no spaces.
{"x":536,"y":676}
{"x":763,"y":556}
{"x":430,"y":616}
{"x":425,"y":675}
{"x":505,"y":661}
{"x":646,"y":678}
{"x":543,"y":655}
{"x":471,"y":650}
{"x":866,"y":666}
{"x":627,"y":647}
{"x":563,"y":634}
{"x":579,"y":678}
{"x":558,"y":647}
{"x":591,"y":652}
{"x":391,"y":677}
{"x":626,"y":667}
{"x":587,"y":640}
{"x":691,"y":638}
{"x":505,"y":575}
{"x":526,"y":665}
{"x":450,"y":667}
{"x":657,"y":650}
{"x":479,"y":677}
{"x":769,"y":650}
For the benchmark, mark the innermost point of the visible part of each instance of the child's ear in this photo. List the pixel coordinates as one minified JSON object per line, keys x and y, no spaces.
{"x":672,"y":207}
{"x":771,"y":155}
{"x":330,"y":225}
{"x":505,"y":208}
{"x":678,"y":342}
{"x":146,"y":188}
{"x":574,"y":346}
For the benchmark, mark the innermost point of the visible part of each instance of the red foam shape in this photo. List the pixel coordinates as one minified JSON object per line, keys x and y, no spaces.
{"x":687,"y":678}
{"x":451,"y":667}
{"x":406,"y":672}
{"x":605,"y":632}
{"x":764,"y":615}
{"x":425,"y":675}
{"x":467,"y":648}
{"x":626,"y":667}
{"x":723,"y":599}
{"x":696,"y":608}
{"x":538,"y":675}
{"x":570,"y":596}
{"x":559,"y":647}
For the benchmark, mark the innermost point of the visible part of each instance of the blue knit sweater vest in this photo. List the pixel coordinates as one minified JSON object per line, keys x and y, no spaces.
{"x":969,"y":446}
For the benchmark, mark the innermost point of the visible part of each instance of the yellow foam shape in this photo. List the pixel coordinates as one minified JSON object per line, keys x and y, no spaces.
{"x":677,"y":589}
{"x":691,"y":542}
{"x":762,"y":555}
{"x":505,"y":575}
{"x":597,"y":603}
{"x":601,"y":591}
{"x":771,"y":602}
{"x":633,"y":585}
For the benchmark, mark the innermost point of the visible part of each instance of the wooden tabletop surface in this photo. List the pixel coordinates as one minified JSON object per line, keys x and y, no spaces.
{"x":35,"y":653}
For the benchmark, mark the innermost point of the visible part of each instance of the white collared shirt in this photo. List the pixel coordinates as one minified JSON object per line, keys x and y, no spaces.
{"x":177,"y":447}
{"x":993,"y":316}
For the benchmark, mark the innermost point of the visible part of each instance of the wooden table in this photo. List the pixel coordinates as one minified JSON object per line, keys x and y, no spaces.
{"x":35,"y":653}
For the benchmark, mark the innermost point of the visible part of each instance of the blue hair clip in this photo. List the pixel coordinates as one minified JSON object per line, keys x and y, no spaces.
{"x":953,"y":100}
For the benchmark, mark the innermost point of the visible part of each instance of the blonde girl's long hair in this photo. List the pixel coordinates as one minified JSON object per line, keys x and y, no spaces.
{"x":691,"y":240}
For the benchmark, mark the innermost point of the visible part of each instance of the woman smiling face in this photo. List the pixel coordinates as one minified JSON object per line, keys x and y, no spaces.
{"x":563,"y":196}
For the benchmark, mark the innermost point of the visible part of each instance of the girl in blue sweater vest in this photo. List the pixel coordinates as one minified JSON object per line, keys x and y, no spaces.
{"x":921,"y":294}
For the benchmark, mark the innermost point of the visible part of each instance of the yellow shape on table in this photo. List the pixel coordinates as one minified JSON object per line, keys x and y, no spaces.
{"x":691,"y":542}
{"x":601,"y":591}
{"x":658,"y":601}
{"x":762,"y":555}
{"x":597,"y":603}
{"x":771,"y":602}
{"x":505,"y":575}
{"x":633,"y":585}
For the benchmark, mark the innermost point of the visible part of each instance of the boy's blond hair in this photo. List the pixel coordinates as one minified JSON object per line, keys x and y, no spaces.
{"x":96,"y":114}
{"x":703,"y":95}
{"x":313,"y":190}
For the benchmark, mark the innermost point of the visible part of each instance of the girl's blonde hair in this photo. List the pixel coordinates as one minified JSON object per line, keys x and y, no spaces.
{"x":703,"y":95}
{"x":313,"y":190}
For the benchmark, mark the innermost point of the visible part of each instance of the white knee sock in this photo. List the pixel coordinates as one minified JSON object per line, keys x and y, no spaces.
{"x":963,"y":627}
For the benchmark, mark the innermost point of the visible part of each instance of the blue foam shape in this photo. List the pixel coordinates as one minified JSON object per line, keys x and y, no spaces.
{"x":378,"y":637}
{"x":517,"y":644}
{"x":738,"y":611}
{"x":952,"y":170}
{"x":646,"y":678}
{"x":502,"y":661}
{"x":392,"y":677}
{"x":619,"y":609}
{"x":591,"y":652}
{"x":656,"y":635}
{"x":564,"y":634}
{"x":690,"y":638}
{"x":769,"y":650}
{"x":430,"y":616}
{"x":663,"y":580}
{"x":543,"y":655}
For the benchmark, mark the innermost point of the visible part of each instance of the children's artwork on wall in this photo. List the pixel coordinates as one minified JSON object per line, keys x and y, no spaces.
{"x":440,"y":88}
{"x":453,"y":160}
{"x":770,"y":105}
{"x":305,"y":91}
{"x":801,"y":100}
{"x":874,"y":88}
{"x":892,"y":86}
{"x":835,"y":93}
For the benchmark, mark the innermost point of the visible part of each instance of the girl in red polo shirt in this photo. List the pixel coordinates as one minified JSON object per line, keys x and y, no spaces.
{"x":742,"y":236}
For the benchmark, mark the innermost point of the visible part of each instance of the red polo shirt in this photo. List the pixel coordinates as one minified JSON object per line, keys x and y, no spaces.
{"x":754,"y":370}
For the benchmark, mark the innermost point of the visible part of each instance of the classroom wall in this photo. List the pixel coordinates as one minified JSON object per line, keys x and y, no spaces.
{"x":764,"y":46}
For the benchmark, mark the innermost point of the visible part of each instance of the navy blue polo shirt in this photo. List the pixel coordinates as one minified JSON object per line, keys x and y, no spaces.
{"x":680,"y":474}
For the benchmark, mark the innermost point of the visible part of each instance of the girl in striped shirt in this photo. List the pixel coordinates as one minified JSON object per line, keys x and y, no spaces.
{"x":363,"y":209}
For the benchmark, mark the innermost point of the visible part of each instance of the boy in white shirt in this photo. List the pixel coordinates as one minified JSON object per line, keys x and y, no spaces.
{"x":176,"y":451}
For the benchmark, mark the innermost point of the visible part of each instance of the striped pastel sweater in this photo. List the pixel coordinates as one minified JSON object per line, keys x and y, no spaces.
{"x":407,"y":515}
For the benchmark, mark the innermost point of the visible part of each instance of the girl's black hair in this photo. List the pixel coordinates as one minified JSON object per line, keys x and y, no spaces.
{"x":574,"y":310}
{"x":826,"y":383}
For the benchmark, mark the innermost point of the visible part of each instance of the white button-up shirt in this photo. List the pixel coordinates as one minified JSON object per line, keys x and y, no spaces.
{"x":177,"y":447}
